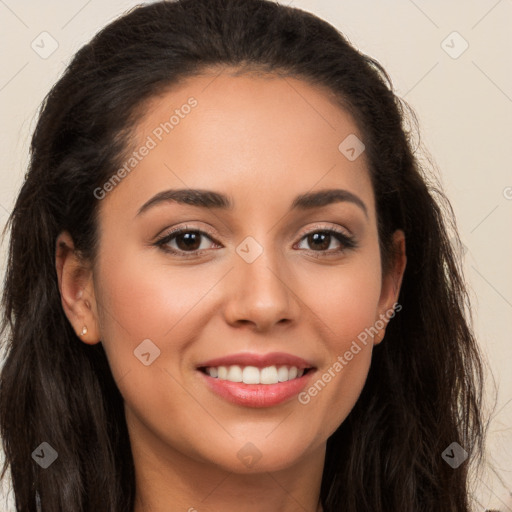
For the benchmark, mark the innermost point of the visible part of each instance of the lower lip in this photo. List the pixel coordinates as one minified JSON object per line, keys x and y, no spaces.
{"x":257,"y":395}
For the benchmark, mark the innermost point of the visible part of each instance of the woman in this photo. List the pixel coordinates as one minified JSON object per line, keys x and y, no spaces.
{"x":230,"y":282}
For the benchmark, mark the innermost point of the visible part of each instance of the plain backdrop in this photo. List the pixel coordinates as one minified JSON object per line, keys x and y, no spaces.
{"x":451,"y":61}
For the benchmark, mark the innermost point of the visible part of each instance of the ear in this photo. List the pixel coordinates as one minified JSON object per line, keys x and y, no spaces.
{"x":76,"y":290}
{"x":391,"y":283}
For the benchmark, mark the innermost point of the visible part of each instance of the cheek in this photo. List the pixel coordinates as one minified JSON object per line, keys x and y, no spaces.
{"x":344,"y":305}
{"x":144,"y":301}
{"x":139,"y":300}
{"x":345,"y":298}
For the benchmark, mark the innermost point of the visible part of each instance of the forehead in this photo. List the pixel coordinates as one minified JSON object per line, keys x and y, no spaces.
{"x":262,"y":139}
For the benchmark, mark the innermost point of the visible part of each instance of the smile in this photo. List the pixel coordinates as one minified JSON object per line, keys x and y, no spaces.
{"x":256,"y":380}
{"x":253,"y":375}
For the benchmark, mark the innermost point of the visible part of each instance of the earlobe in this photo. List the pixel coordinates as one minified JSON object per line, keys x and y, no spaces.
{"x":76,"y":290}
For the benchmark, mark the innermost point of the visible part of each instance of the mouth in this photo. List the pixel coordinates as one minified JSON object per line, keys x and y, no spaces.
{"x":267,"y":375}
{"x":253,"y":380}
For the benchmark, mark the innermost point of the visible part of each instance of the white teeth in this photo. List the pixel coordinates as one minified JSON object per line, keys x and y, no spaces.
{"x":282,"y":374}
{"x":251,"y":375}
{"x":222,"y":372}
{"x":254,"y":375}
{"x":268,"y":375}
{"x":234,"y":374}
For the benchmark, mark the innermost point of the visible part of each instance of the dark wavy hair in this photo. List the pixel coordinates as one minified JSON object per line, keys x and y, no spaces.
{"x":425,"y":386}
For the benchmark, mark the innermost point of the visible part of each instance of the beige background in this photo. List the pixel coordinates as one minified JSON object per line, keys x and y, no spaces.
{"x":464,"y":105}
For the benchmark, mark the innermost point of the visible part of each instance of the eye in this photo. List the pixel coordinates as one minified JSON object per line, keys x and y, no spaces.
{"x":187,"y":242}
{"x":321,"y":241}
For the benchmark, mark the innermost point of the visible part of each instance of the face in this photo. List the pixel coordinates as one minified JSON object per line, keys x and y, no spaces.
{"x":271,"y":274}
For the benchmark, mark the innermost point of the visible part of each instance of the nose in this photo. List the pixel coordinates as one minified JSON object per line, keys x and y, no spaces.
{"x":260,"y":293}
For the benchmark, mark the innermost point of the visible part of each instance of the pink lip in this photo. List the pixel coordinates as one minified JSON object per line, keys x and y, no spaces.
{"x":257,"y":395}
{"x":258,"y":360}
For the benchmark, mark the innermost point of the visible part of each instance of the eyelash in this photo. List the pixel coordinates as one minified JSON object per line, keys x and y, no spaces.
{"x":347,"y":241}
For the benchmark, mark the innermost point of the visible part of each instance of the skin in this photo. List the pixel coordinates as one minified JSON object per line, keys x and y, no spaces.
{"x":262,"y":140}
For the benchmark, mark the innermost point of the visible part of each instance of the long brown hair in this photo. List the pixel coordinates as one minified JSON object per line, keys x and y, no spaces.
{"x":424,"y":388}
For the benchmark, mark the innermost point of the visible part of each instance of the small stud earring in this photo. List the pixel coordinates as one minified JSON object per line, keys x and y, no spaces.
{"x":84,"y":331}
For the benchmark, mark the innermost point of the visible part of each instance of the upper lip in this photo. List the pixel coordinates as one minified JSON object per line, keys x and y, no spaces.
{"x":258,"y":360}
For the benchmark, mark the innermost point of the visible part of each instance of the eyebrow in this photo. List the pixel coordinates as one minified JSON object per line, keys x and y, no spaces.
{"x":210,"y":199}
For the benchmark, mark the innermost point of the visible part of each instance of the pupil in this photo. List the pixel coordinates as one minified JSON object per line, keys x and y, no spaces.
{"x":316,"y":238}
{"x":191,"y":241}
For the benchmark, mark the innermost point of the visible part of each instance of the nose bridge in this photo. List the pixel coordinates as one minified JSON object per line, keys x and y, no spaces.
{"x":260,"y":293}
